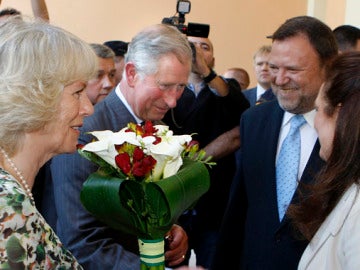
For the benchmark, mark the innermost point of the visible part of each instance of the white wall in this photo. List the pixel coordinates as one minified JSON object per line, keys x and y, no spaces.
{"x":352,"y":12}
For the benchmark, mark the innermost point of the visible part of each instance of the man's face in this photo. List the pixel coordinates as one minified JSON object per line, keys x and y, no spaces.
{"x":261,"y":67}
{"x":153,"y":95}
{"x":296,"y":73}
{"x":205,"y":46}
{"x":100,"y":86}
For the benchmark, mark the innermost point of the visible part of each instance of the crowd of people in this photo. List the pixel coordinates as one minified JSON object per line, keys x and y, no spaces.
{"x":285,"y":190}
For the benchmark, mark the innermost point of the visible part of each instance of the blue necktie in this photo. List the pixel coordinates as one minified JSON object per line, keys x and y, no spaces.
{"x":288,"y":165}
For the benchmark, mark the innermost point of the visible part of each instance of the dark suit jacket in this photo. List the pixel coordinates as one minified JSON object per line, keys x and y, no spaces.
{"x":251,"y":96}
{"x":251,"y":221}
{"x":95,"y":245}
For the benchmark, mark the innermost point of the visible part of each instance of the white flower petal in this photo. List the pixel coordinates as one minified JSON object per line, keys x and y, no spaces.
{"x":102,"y":135}
{"x":122,"y":137}
{"x":157,"y":172}
{"x":162,"y":129}
{"x":172,"y":167}
{"x":104,"y":147}
{"x":170,"y":146}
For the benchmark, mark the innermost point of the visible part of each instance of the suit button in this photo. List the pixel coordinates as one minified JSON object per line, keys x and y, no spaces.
{"x":277,"y":238}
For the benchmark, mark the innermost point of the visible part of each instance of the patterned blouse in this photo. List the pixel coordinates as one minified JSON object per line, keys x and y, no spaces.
{"x":26,"y":240}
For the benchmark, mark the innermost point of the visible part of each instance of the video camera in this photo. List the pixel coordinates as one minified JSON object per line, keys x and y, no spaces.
{"x":192,"y":29}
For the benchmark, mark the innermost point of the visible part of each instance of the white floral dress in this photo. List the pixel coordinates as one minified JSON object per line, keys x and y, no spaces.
{"x":26,"y":240}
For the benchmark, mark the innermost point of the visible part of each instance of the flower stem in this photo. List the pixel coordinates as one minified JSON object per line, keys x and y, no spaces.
{"x":152,"y":254}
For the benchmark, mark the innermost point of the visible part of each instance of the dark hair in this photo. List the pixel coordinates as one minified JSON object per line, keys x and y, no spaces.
{"x":119,"y":47}
{"x":9,"y":11}
{"x":342,"y":169}
{"x":346,"y":37}
{"x":319,"y":34}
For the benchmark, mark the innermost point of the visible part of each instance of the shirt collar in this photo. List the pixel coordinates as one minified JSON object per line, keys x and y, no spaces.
{"x":127,"y":105}
{"x":309,"y":117}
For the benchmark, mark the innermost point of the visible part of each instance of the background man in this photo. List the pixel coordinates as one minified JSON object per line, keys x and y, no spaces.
{"x":120,"y":48}
{"x":240,"y":75}
{"x":100,"y":86}
{"x":260,"y":93}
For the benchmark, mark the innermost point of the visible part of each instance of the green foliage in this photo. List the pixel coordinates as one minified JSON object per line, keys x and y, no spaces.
{"x":199,"y":155}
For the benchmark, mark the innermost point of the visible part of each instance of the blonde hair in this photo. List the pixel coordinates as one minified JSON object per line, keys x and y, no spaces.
{"x":37,"y":60}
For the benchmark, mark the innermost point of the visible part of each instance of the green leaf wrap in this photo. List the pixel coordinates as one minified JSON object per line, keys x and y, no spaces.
{"x":146,"y":210}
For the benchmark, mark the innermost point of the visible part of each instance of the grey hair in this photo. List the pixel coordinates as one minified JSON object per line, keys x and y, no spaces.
{"x":103,"y":51}
{"x":37,"y":60}
{"x":151,"y":44}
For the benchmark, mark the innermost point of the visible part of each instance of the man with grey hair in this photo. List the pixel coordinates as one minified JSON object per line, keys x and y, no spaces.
{"x":157,"y":67}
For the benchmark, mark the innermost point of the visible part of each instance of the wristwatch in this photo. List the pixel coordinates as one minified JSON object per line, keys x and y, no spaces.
{"x":210,"y":77}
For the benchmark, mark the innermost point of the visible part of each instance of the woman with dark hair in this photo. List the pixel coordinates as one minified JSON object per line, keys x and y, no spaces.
{"x":329,"y":212}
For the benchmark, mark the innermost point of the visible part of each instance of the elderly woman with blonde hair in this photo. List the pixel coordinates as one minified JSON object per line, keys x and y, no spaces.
{"x":43,"y":73}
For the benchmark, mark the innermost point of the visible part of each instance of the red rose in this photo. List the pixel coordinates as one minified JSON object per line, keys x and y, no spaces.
{"x":123,"y":162}
{"x":138,"y":154}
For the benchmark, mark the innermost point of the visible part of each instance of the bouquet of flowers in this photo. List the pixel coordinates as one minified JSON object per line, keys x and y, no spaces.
{"x":147,"y":178}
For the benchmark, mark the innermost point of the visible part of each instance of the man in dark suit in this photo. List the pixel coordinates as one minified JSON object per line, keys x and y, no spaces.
{"x":157,"y":68}
{"x":263,"y":238}
{"x":262,"y":92}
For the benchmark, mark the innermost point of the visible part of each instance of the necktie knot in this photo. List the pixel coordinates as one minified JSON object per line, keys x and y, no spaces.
{"x":296,"y":122}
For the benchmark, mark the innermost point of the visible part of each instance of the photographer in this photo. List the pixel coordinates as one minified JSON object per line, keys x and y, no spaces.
{"x":209,"y":107}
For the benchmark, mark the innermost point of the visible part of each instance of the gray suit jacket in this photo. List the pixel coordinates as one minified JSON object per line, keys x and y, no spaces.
{"x":95,"y":245}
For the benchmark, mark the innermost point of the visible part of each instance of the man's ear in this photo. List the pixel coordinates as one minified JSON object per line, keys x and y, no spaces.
{"x":131,"y":73}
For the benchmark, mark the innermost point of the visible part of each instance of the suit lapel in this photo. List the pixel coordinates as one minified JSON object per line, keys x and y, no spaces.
{"x":253,"y":97}
{"x":274,"y":129}
{"x":267,"y":126}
